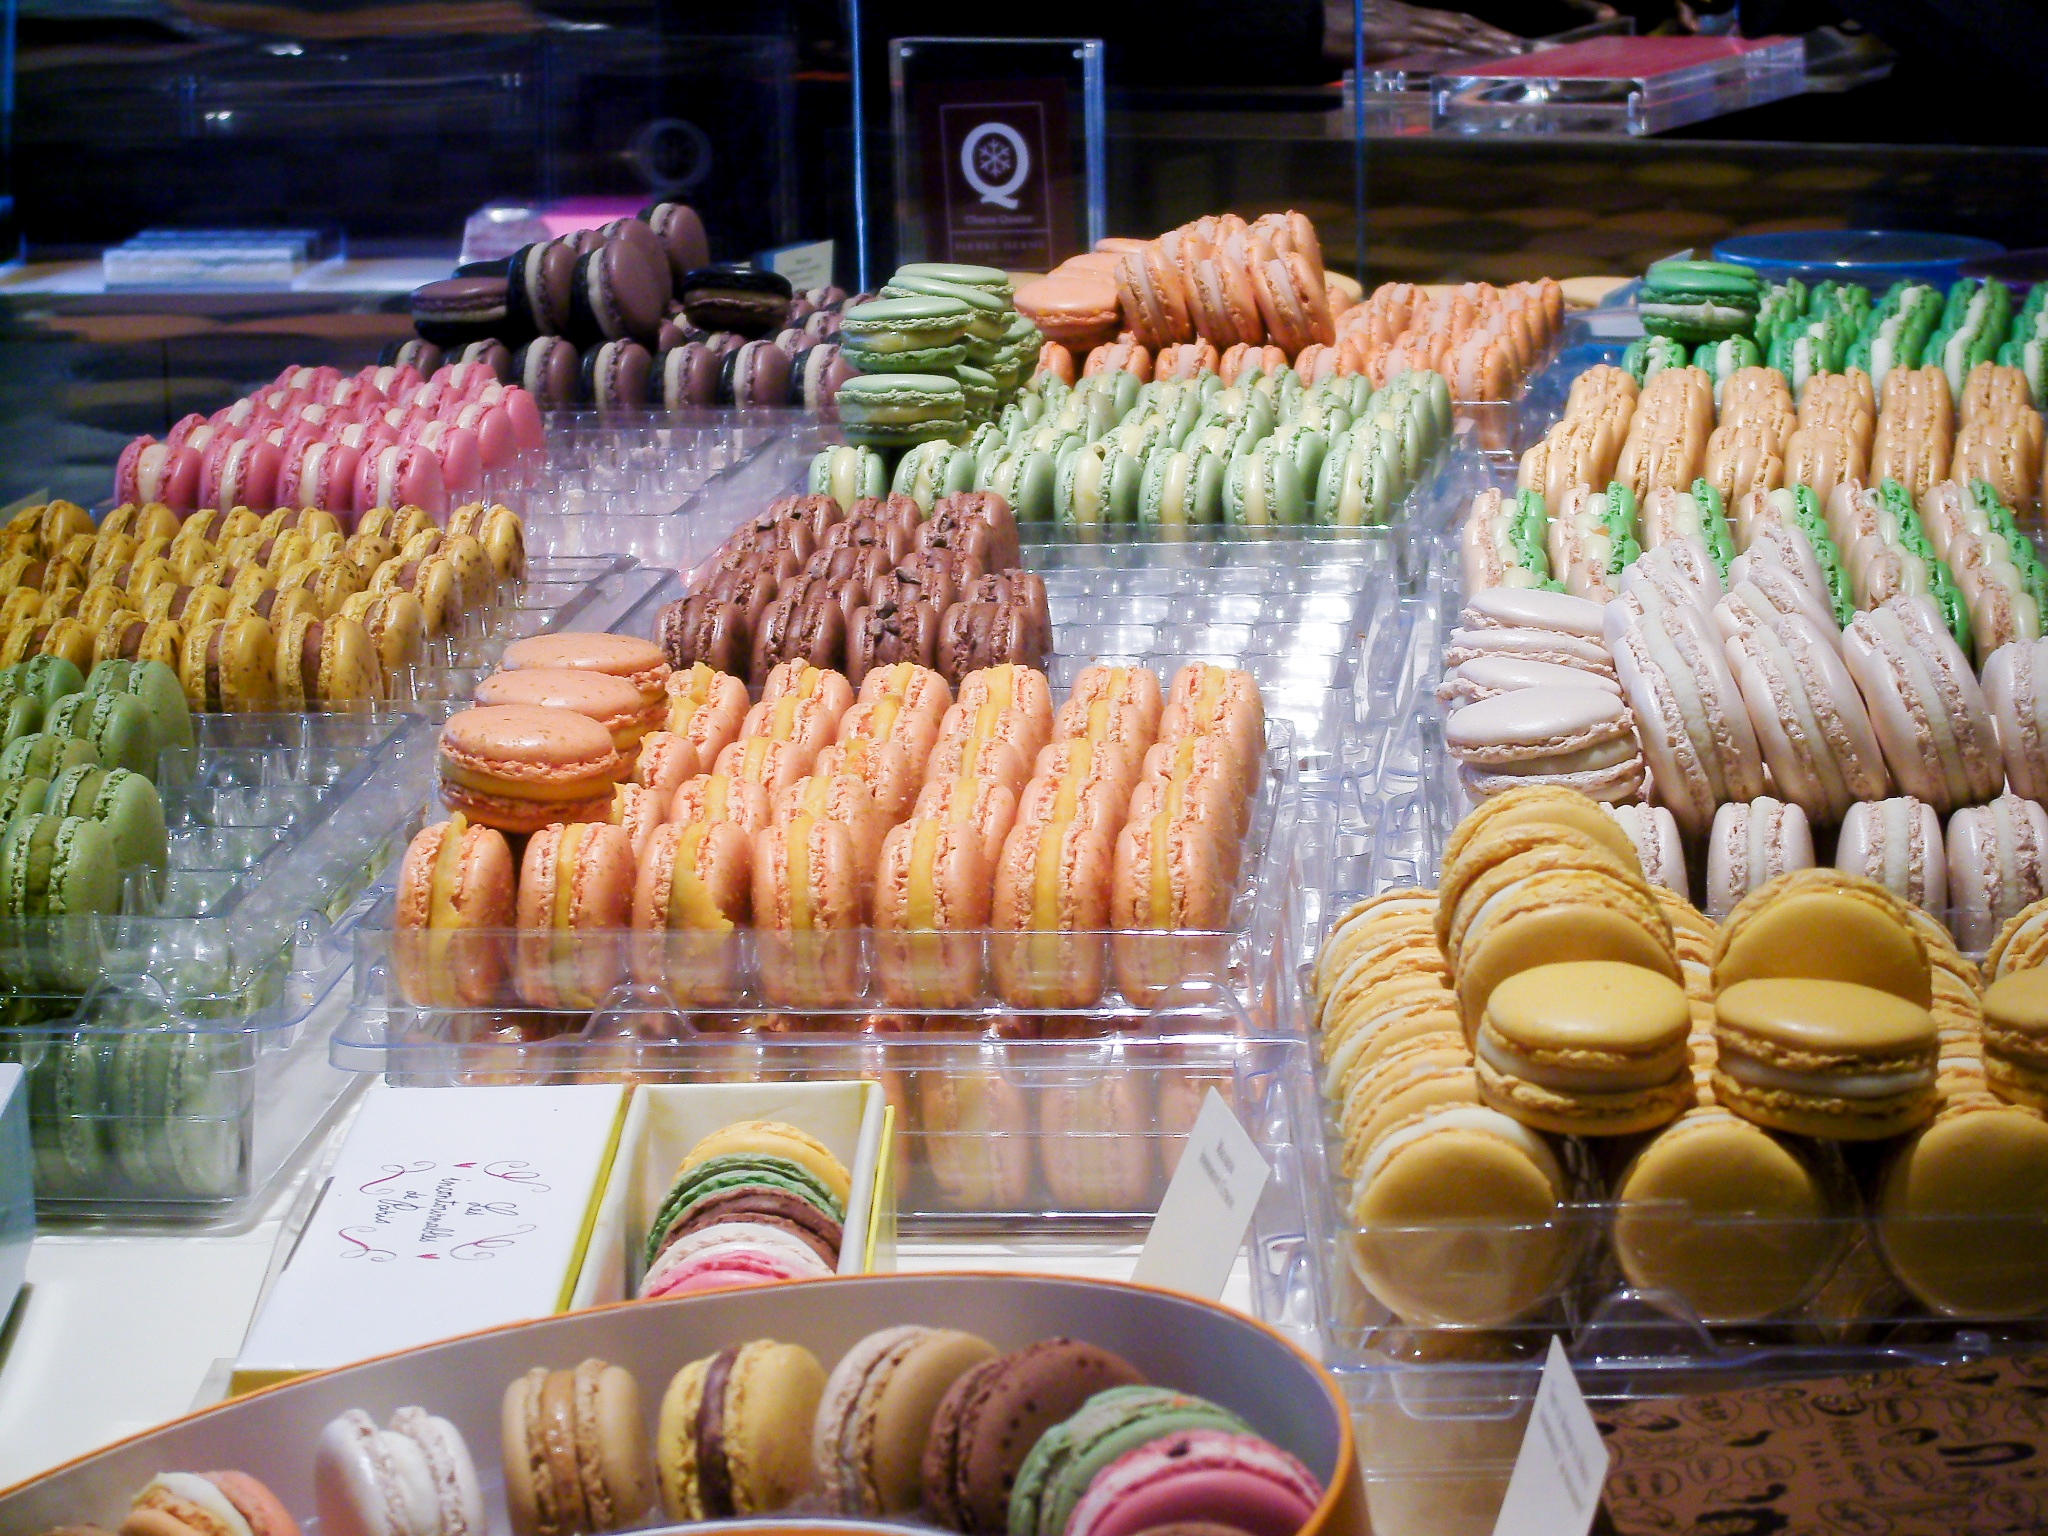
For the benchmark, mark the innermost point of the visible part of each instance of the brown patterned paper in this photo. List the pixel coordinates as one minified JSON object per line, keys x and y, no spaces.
{"x":1936,"y":1451}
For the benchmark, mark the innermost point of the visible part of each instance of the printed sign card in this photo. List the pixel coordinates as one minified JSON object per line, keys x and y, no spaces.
{"x":448,"y":1210}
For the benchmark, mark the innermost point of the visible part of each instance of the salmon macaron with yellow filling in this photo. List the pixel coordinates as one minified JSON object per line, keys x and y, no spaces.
{"x":455,"y":892}
{"x":519,"y":768}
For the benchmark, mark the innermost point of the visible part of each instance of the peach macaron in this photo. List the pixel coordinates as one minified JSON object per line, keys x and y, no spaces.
{"x":457,"y":883}
{"x":612,"y":702}
{"x":640,"y":662}
{"x":933,"y":878}
{"x":519,"y":768}
{"x":575,"y":882}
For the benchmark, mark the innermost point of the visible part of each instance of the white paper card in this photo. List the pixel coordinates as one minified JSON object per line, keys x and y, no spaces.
{"x":1562,"y":1466}
{"x":806,"y":266}
{"x":448,"y":1210}
{"x":1207,"y":1208}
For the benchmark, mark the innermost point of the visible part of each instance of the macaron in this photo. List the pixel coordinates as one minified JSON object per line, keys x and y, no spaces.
{"x":2015,"y":1037}
{"x":455,"y":880}
{"x":1823,"y":925}
{"x":1997,"y":864}
{"x":701,"y":1188}
{"x":123,"y":802}
{"x":1727,"y":1217}
{"x":993,"y":1415}
{"x":1112,"y":1423}
{"x":1896,"y":843}
{"x":520,"y":768}
{"x":155,"y":686}
{"x":1659,"y":849}
{"x":1824,"y":1058}
{"x":875,"y":1415}
{"x":575,"y":895}
{"x":1576,"y":738}
{"x":905,"y":335}
{"x":1454,"y":1218}
{"x":1925,"y":703}
{"x":1241,"y":1480}
{"x":1751,"y":843}
{"x":1960,"y":1207}
{"x":901,"y":409}
{"x":1586,"y":1048}
{"x":729,"y":1255}
{"x":1809,"y":717}
{"x":414,"y":1479}
{"x":204,"y":1503}
{"x":734,"y":1434}
{"x":575,"y":1453}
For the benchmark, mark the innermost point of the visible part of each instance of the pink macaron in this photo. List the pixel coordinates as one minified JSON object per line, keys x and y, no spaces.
{"x":1238,"y":1481}
{"x":732,"y":1253}
{"x":1925,"y":703}
{"x":1997,"y":864}
{"x":152,"y":471}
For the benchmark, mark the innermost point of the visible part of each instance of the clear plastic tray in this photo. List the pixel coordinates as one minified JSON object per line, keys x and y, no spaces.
{"x":1617,"y":85}
{"x":655,"y":487}
{"x":177,"y":1051}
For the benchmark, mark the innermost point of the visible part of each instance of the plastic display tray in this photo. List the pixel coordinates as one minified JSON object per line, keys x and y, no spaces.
{"x":177,"y":1051}
{"x":661,"y":488}
{"x":1440,"y":1409}
{"x":1618,"y":85}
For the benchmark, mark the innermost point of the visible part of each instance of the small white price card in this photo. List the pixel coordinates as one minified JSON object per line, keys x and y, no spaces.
{"x":1555,"y":1487}
{"x":1207,"y":1208}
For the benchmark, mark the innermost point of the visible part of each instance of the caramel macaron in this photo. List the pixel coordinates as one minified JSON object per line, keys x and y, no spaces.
{"x":720,"y":797}
{"x":2015,"y":1037}
{"x":1961,"y":1207}
{"x":519,"y":768}
{"x":1825,"y":1058}
{"x":1587,"y":1048}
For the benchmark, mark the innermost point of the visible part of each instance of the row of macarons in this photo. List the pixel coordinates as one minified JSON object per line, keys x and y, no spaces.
{"x":1111,"y":450}
{"x":1542,"y":989}
{"x":386,"y":435}
{"x":346,"y":615}
{"x":1059,"y":1438}
{"x":1660,"y":694}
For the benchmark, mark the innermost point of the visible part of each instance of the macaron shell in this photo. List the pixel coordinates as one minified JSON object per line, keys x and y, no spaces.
{"x":895,"y":1416}
{"x":771,"y":1400}
{"x":770,"y":1138}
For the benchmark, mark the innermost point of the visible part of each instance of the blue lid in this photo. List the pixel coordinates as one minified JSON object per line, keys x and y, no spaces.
{"x":1869,"y":256}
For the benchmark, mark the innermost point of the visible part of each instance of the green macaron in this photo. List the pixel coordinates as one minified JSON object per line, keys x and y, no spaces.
{"x":733,"y":1171}
{"x":155,"y":686}
{"x":23,"y":716}
{"x":914,"y":335}
{"x":901,"y":409}
{"x":117,"y":725}
{"x":44,"y":755}
{"x":988,"y":316}
{"x":23,"y":797}
{"x":48,"y":677}
{"x":1181,"y":487}
{"x":1263,"y":488}
{"x":177,"y":1129}
{"x":128,"y":806}
{"x":847,"y":474}
{"x":1027,"y":482}
{"x":85,"y":875}
{"x":993,"y":281}
{"x":981,"y":390}
{"x":68,"y":1115}
{"x":1098,"y":485}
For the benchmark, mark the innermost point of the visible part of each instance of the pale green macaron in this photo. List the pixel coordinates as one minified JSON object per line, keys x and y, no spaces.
{"x":847,"y":474}
{"x":988,"y":316}
{"x":900,"y":409}
{"x":1182,"y":487}
{"x":993,"y":281}
{"x":911,"y":335}
{"x":1263,"y":488}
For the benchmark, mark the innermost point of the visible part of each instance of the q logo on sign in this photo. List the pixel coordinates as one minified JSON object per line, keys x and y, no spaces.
{"x":995,"y":160}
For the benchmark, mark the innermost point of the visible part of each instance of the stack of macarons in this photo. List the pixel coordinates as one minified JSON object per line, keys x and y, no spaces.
{"x":938,"y":354}
{"x":383,"y":436}
{"x":816,"y":812}
{"x":1265,"y":449}
{"x":630,"y":315}
{"x":755,"y":1202}
{"x":252,"y":612}
{"x":851,"y":582}
{"x":1202,"y":290}
{"x":1483,"y":340}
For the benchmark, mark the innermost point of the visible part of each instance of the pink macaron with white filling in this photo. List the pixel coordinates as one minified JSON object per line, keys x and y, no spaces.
{"x":1808,"y":716}
{"x":1485,"y":676}
{"x":1925,"y":704}
{"x":730,"y":1254}
{"x":152,"y":471}
{"x":2016,"y":693}
{"x":400,"y":475}
{"x":1997,"y":864}
{"x":1582,"y":738}
{"x":1896,"y":842}
{"x":1751,"y":844}
{"x":1659,"y":849}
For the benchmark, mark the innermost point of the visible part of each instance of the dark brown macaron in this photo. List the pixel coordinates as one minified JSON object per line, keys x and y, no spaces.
{"x":537,"y":282}
{"x":891,"y":632}
{"x":760,"y":375}
{"x":771,"y":1207}
{"x":549,"y":369}
{"x":682,"y":237}
{"x":816,"y":512}
{"x":458,"y":310}
{"x":991,"y":1417}
{"x":703,"y":628}
{"x":616,"y":374}
{"x":689,"y":376}
{"x":740,"y":299}
{"x":635,"y":233}
{"x":617,"y":294}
